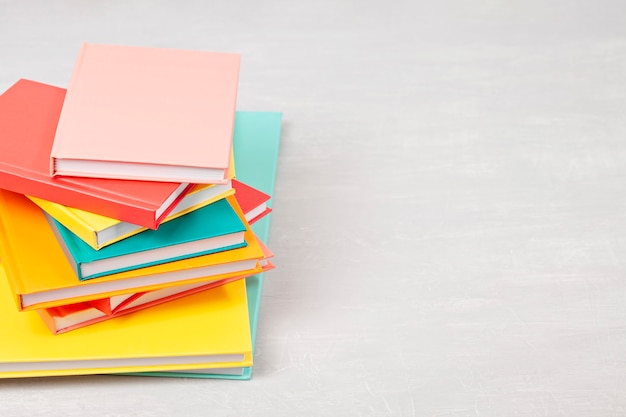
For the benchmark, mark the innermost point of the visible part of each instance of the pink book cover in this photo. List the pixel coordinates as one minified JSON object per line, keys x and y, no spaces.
{"x":148,"y":113}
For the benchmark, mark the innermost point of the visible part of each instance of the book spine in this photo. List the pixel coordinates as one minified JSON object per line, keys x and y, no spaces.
{"x":8,"y":259}
{"x":68,"y":97}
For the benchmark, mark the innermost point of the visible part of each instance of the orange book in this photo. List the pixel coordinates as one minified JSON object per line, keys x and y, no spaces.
{"x":70,"y":317}
{"x":41,"y":276}
{"x":160,"y":114}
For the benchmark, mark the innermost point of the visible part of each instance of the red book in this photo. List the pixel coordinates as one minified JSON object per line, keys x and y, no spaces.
{"x":253,"y":202}
{"x":29,"y":113}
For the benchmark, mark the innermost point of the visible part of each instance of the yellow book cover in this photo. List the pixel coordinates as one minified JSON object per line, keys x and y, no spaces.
{"x":99,"y":231}
{"x":209,"y":329}
{"x":41,"y":276}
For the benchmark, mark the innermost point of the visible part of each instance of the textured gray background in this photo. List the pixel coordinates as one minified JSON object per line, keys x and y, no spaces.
{"x":450,"y":217}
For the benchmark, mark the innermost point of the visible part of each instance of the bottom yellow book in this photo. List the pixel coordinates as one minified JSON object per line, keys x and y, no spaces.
{"x":208,"y":330}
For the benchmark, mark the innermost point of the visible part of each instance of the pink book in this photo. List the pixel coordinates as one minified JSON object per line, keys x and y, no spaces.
{"x":148,"y":114}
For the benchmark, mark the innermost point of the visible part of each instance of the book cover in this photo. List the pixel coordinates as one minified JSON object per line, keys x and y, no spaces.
{"x":41,"y":276}
{"x":256,"y":158}
{"x":29,"y":113}
{"x":135,"y":112}
{"x":209,"y":329}
{"x":210,"y":229}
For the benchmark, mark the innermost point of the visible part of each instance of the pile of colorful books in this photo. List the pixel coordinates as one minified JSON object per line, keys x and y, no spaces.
{"x":133,"y":217}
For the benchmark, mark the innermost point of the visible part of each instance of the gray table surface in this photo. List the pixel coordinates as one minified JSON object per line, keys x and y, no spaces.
{"x":450,"y":213}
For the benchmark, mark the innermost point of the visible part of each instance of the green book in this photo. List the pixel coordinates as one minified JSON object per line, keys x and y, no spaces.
{"x":210,"y":229}
{"x":256,"y":157}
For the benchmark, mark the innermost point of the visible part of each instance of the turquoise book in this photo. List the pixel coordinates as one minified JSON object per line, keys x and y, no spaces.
{"x":210,"y":229}
{"x":256,"y":147}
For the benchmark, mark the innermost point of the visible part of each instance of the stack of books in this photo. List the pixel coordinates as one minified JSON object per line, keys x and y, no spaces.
{"x":133,"y":217}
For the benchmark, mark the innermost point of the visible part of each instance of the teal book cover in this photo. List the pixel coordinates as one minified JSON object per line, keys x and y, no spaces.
{"x":256,"y":146}
{"x":210,"y":229}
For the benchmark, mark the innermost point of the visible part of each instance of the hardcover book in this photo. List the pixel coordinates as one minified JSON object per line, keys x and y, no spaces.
{"x":41,"y":276}
{"x":148,"y":98}
{"x":70,"y":317}
{"x":29,"y":112}
{"x":209,"y":329}
{"x":213,"y":228}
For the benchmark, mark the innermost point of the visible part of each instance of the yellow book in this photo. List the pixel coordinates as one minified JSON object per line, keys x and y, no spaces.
{"x":41,"y":276}
{"x":207,"y":330}
{"x":100,"y":231}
